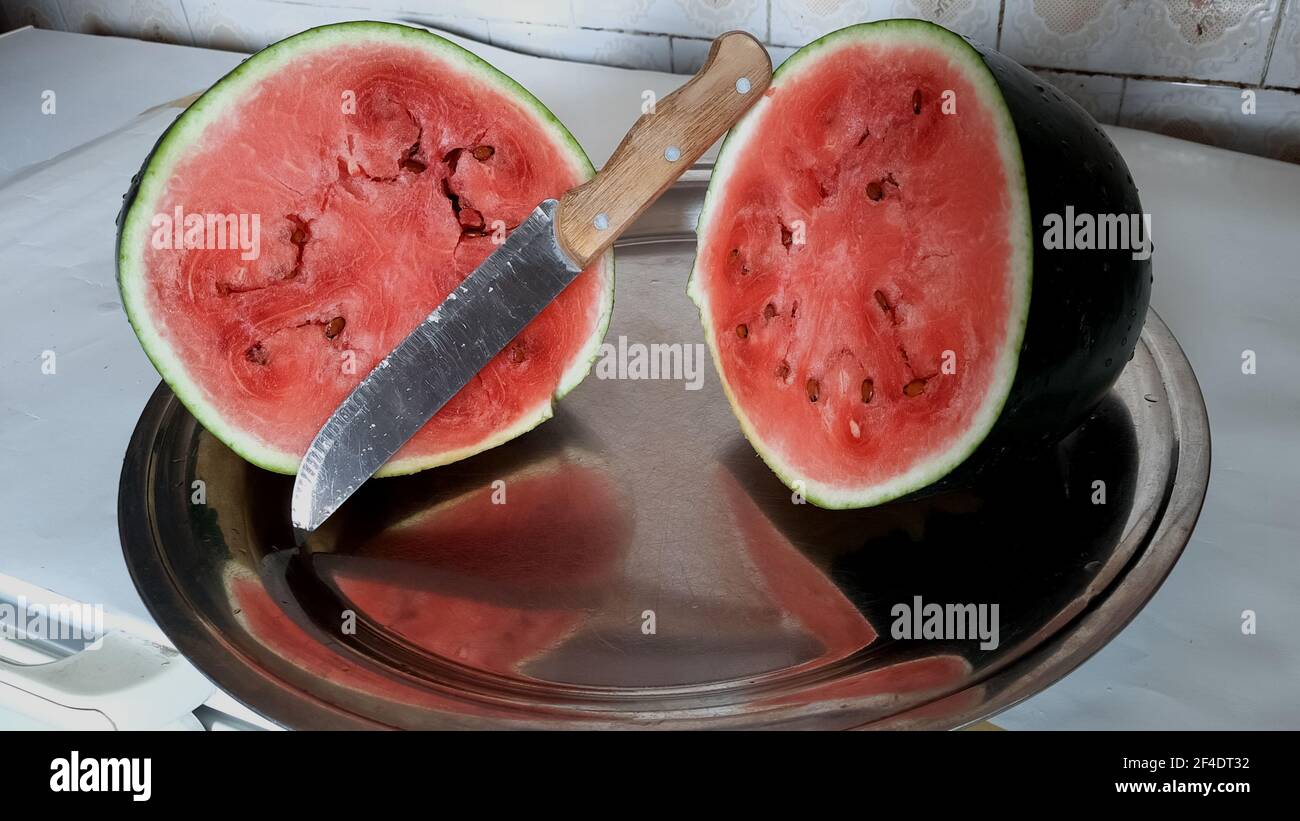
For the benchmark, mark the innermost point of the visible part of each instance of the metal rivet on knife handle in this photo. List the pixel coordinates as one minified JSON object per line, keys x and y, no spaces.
{"x":682,"y":127}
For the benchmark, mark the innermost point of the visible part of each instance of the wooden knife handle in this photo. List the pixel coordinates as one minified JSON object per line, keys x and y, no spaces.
{"x":662,"y":144}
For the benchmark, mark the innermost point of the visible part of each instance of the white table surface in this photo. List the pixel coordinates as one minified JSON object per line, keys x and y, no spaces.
{"x":1227,"y":231}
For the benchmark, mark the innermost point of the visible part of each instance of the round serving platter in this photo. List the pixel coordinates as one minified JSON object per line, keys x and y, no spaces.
{"x":632,"y":563}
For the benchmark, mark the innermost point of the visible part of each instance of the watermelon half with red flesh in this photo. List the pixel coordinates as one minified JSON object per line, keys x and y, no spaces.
{"x":877,"y":300}
{"x":382,"y":163}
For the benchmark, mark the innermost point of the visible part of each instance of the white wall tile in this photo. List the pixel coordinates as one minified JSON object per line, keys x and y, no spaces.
{"x":1081,"y":46}
{"x":689,"y":55}
{"x":1223,"y":40}
{"x":1098,"y":95}
{"x":780,"y":54}
{"x":611,"y":48}
{"x":464,"y":26}
{"x":1284,"y":67}
{"x":547,"y":12}
{"x":248,"y":25}
{"x":44,"y":14}
{"x":161,"y":21}
{"x":1213,"y":115}
{"x":798,"y":22}
{"x":690,"y":18}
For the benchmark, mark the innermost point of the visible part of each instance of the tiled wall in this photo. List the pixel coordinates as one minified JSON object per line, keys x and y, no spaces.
{"x":1181,"y":67}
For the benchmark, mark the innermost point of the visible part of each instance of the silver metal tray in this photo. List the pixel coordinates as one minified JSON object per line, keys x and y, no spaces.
{"x":646,"y":569}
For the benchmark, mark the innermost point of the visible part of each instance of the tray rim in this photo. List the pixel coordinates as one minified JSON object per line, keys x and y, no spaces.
{"x":1107,"y":614}
{"x":1103,"y":617}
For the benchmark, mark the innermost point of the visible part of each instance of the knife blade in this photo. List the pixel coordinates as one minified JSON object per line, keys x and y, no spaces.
{"x":518,"y":280}
{"x":445,"y":351}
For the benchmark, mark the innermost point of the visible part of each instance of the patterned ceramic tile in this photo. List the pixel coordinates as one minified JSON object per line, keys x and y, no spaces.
{"x":1203,"y":39}
{"x":690,"y":18}
{"x":1098,"y":95}
{"x":43,"y":14}
{"x":689,"y":55}
{"x":1284,"y":66}
{"x":611,"y":48}
{"x":248,"y":25}
{"x":470,"y":27}
{"x":162,"y":21}
{"x":796,"y":22}
{"x":548,"y":12}
{"x":1216,"y":115}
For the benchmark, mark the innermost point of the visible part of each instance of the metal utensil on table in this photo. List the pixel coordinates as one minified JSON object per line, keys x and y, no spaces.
{"x":523,"y":276}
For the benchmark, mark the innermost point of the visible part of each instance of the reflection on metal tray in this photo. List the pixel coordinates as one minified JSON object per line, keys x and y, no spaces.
{"x":647,"y":569}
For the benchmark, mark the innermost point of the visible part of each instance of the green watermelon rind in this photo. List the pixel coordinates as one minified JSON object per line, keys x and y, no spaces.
{"x":151,"y":182}
{"x":921,"y":32}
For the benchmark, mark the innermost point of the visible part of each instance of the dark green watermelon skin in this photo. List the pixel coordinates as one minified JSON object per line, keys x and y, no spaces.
{"x":1087,"y":307}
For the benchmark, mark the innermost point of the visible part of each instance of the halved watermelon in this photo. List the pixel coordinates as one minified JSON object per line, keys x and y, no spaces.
{"x":866,"y":252}
{"x":381,"y":164}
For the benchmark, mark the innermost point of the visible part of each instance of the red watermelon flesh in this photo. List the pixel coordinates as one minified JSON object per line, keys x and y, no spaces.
{"x":486,"y":584}
{"x":799,"y":589}
{"x":855,"y":232}
{"x":327,"y":667}
{"x":379,"y":159}
{"x":553,"y":525}
{"x":480,"y":634}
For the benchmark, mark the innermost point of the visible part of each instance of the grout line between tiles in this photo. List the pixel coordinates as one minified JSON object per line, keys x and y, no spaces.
{"x":1162,"y":78}
{"x":1272,"y":40}
{"x":185,"y":12}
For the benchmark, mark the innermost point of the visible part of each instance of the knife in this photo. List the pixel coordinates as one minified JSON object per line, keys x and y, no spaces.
{"x":521,"y":277}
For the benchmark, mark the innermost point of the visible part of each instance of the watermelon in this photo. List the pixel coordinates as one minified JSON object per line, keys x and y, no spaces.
{"x":310,"y":209}
{"x":872,"y":285}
